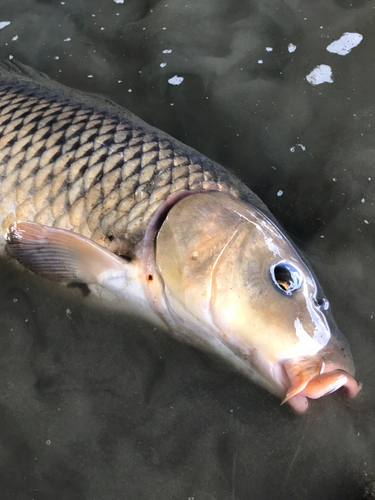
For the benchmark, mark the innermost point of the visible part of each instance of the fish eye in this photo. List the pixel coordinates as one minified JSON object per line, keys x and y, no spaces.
{"x":286,"y":277}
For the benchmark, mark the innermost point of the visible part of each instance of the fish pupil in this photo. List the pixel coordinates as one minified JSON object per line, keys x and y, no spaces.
{"x":286,"y":277}
{"x":284,"y":285}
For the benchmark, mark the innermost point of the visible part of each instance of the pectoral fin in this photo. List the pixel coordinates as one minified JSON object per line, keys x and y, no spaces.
{"x":60,"y":254}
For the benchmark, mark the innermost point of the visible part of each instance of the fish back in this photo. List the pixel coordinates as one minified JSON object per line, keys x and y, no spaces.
{"x":81,"y":163}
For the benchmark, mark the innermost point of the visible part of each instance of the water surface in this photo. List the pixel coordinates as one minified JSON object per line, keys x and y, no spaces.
{"x":98,"y":406}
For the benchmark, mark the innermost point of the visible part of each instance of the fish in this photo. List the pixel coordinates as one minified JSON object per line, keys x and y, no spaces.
{"x":89,"y":193}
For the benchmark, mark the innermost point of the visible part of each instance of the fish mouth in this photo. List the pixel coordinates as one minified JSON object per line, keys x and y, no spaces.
{"x":307,"y":384}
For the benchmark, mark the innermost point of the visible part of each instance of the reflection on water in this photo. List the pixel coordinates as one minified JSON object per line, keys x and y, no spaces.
{"x":98,"y":406}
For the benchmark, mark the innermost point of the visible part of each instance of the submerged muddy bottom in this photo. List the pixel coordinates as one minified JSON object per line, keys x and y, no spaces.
{"x":97,"y":405}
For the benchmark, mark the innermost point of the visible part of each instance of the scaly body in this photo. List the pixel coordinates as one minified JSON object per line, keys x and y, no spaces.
{"x":81,"y":164}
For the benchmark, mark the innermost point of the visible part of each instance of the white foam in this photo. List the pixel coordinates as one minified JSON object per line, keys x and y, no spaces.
{"x":176,"y":80}
{"x":291,"y":47}
{"x":320,"y":74}
{"x":293,"y":148}
{"x":118,"y":1}
{"x":345,"y":43}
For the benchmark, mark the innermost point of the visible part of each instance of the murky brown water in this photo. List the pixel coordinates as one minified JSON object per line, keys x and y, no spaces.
{"x":98,"y":406}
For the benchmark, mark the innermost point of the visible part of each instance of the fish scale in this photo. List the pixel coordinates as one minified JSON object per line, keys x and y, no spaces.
{"x":72,"y":162}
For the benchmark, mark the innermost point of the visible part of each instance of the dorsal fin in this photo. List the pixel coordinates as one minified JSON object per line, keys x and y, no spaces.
{"x":98,"y":102}
{"x":16,"y":68}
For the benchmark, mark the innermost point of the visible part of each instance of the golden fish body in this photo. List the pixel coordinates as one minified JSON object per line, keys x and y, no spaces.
{"x":82,"y":164}
{"x":90,"y":193}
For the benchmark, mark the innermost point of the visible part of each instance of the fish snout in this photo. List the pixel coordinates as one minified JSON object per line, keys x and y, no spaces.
{"x":310,"y":380}
{"x":326,"y":383}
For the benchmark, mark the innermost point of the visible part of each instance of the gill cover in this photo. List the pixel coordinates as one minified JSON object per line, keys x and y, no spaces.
{"x":229,"y":270}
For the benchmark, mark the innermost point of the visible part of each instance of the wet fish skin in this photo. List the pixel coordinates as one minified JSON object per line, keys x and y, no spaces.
{"x":81,"y":163}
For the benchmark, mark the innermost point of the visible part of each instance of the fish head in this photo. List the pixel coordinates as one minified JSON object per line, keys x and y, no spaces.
{"x":229,"y":270}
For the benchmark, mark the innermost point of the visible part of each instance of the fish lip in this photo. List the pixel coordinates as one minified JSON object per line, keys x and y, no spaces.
{"x":319,"y":385}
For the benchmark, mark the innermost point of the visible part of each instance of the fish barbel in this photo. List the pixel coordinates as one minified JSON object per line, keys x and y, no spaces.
{"x":90,"y":193}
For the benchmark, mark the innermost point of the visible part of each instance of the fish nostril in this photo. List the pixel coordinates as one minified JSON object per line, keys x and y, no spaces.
{"x":286,"y":277}
{"x":323,"y":303}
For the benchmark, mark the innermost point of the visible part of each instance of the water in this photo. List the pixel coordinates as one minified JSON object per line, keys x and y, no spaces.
{"x":94,"y":405}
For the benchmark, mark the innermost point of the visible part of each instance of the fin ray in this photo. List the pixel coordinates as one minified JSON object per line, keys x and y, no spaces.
{"x":60,"y":254}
